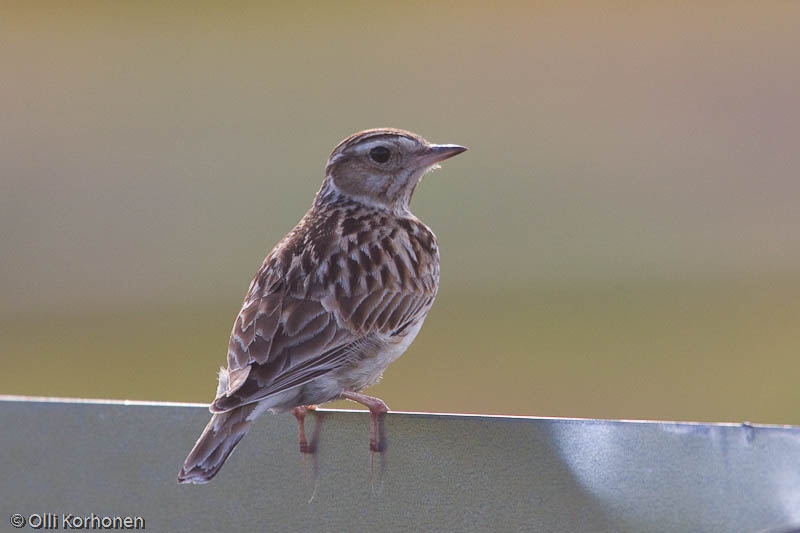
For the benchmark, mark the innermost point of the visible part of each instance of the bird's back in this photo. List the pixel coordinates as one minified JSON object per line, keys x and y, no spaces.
{"x":336,"y":301}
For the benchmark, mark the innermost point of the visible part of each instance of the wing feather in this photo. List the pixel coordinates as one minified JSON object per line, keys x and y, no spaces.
{"x":306,"y":315}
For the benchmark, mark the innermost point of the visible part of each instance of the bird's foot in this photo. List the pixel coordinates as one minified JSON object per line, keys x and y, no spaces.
{"x":377,"y":414}
{"x":300,"y":414}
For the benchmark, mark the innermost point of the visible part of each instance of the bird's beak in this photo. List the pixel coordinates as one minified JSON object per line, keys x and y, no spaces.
{"x":439,"y":152}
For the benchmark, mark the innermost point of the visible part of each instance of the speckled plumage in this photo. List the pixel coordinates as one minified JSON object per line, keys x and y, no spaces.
{"x":337,"y":300}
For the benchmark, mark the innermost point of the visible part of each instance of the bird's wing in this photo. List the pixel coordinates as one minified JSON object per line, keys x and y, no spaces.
{"x":291,"y":330}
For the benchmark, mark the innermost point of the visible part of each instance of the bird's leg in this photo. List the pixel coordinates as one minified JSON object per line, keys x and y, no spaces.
{"x":299,"y":413}
{"x":377,"y":412}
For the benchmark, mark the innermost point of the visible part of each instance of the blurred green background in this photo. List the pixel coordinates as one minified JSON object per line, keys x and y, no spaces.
{"x":621,"y":241}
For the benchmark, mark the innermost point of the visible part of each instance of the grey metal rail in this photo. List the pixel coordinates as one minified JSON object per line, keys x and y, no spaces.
{"x":95,"y":462}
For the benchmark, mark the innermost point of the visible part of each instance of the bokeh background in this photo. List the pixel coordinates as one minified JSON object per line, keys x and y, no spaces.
{"x":622,"y":240}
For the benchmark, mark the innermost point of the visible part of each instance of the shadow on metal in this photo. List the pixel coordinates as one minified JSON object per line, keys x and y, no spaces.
{"x":87,"y":459}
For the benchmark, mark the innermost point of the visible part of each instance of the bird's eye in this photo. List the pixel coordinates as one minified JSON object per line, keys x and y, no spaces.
{"x":380,"y":154}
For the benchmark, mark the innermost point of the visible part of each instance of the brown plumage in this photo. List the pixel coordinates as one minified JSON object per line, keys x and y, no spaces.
{"x":337,"y":300}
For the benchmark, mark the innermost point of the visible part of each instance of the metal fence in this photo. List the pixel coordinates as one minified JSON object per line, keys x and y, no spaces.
{"x":104,"y":465}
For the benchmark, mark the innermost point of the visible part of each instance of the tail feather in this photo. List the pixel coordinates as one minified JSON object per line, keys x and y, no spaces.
{"x":216,"y":443}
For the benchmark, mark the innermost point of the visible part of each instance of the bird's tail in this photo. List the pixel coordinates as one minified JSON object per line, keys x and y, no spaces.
{"x":217,"y":442}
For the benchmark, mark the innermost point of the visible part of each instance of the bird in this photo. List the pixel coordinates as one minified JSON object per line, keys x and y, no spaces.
{"x":337,"y":300}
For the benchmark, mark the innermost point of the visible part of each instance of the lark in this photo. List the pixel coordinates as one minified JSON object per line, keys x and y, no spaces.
{"x":337,"y":300}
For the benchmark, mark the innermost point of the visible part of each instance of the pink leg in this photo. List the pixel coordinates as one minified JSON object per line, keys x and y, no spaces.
{"x":300,"y":414}
{"x":377,"y":410}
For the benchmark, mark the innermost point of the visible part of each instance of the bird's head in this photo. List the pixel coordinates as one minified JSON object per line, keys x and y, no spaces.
{"x":382,"y":167}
